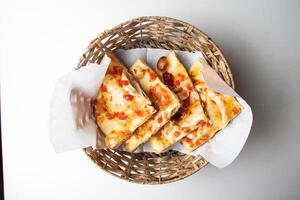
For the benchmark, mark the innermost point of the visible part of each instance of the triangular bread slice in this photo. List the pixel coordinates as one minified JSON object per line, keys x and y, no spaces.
{"x":191,"y":114}
{"x":220,"y":109}
{"x":120,"y":106}
{"x":164,"y":100}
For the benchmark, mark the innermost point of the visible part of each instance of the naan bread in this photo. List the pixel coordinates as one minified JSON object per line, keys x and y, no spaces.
{"x":191,"y":114}
{"x":221,"y":109}
{"x":164,"y":100}
{"x":120,"y":106}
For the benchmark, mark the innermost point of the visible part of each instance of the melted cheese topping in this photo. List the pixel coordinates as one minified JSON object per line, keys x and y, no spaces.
{"x":190,"y":116}
{"x":221,"y":109}
{"x":163,"y":99}
{"x":119,"y":107}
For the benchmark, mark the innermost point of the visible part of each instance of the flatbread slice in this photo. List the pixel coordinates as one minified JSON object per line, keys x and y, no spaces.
{"x":164,"y":100}
{"x":220,"y":109}
{"x":120,"y":106}
{"x":191,"y":114}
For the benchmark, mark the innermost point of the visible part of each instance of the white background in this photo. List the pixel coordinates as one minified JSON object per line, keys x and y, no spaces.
{"x":39,"y":41}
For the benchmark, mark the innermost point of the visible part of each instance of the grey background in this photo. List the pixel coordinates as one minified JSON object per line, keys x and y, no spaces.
{"x":42,"y":40}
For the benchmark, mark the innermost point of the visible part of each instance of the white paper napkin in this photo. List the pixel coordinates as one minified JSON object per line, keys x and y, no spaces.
{"x":63,"y":131}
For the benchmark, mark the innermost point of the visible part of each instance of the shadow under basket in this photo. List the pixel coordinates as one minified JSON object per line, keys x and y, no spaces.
{"x":162,"y":33}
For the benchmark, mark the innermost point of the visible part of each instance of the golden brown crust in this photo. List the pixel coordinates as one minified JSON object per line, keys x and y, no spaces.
{"x":119,"y":107}
{"x":191,"y":114}
{"x":221,"y":109}
{"x":163,"y":99}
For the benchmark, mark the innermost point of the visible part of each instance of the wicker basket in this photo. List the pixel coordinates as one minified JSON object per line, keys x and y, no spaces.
{"x":163,"y":33}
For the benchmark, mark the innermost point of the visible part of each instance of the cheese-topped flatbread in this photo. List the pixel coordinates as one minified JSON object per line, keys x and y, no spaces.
{"x":164,"y":100}
{"x":221,"y":109}
{"x":191,"y":114}
{"x":120,"y":106}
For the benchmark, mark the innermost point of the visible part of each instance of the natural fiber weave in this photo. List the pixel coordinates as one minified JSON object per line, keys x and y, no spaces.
{"x":163,"y":33}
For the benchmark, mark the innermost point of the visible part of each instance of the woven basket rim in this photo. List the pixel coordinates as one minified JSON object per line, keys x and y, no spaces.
{"x":108,"y":31}
{"x":86,"y":150}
